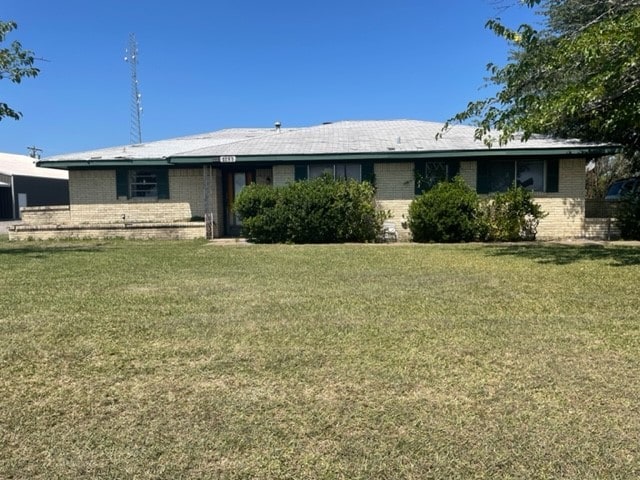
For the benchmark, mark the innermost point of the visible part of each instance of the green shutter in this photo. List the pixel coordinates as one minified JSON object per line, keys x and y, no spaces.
{"x":162,"y":177}
{"x":122,"y":182}
{"x":553,"y":175}
{"x":300,"y":172}
{"x":453,"y":168}
{"x":484,"y":177}
{"x":419,"y":177}
{"x":367,"y":172}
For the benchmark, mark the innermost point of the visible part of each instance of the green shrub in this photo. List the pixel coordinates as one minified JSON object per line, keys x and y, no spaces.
{"x":446,"y":213}
{"x":511,"y":216}
{"x":255,"y":205}
{"x":322,"y":210}
{"x":628,"y":217}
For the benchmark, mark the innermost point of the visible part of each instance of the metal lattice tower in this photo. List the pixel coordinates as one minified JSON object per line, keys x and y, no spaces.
{"x":135,"y":130}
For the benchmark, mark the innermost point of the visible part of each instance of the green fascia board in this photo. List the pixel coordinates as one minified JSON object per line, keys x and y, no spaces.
{"x":389,"y":156}
{"x":100,"y":163}
{"x":398,"y":156}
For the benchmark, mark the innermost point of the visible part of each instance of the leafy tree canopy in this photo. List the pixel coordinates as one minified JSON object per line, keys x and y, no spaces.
{"x":15,"y":64}
{"x":576,"y":77}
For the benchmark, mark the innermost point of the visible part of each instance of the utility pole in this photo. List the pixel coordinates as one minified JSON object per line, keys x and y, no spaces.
{"x":135,"y":129}
{"x":34,"y":152}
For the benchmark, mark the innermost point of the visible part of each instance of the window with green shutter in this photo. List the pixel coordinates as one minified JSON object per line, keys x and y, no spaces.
{"x":553,"y":175}
{"x":142,"y":183}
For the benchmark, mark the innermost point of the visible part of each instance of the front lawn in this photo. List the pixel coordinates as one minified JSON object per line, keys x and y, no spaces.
{"x":190,"y":360}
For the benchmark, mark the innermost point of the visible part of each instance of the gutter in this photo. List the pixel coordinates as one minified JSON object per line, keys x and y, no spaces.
{"x":367,"y":156}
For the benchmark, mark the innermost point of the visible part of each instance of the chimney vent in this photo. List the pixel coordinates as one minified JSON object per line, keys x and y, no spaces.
{"x":277,"y":125}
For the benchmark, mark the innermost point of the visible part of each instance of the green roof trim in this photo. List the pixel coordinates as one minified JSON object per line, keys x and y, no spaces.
{"x":577,"y":151}
{"x":107,"y":162}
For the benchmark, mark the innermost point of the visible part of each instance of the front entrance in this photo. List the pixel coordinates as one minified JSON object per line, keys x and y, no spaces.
{"x":234,"y":182}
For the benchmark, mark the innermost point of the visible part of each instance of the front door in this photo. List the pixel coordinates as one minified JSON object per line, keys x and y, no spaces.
{"x":234,"y":182}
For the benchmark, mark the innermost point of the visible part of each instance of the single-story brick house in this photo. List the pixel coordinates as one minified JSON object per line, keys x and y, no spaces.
{"x":170,"y":183}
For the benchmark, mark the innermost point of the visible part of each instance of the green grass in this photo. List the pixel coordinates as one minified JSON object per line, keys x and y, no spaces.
{"x":187,"y":360}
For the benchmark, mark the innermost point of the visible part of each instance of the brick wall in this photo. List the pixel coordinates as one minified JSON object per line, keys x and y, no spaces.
{"x":55,"y":215}
{"x":93,"y":198}
{"x":176,"y":231}
{"x":565,"y":208}
{"x":395,"y":187}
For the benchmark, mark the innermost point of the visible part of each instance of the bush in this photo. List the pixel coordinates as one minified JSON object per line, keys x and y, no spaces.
{"x":322,"y":210}
{"x":511,"y":216}
{"x":628,"y":217}
{"x":446,"y":213}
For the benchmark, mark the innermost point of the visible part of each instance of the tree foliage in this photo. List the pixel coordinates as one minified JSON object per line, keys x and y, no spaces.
{"x":16,"y":63}
{"x":577,"y":77}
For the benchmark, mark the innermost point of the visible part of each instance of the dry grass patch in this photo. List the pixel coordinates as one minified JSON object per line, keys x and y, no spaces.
{"x":183,"y":360}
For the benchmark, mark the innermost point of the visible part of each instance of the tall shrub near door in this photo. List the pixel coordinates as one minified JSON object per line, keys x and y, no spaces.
{"x":322,"y":210}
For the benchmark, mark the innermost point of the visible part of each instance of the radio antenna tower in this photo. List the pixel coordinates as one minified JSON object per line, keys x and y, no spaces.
{"x":135,"y":130}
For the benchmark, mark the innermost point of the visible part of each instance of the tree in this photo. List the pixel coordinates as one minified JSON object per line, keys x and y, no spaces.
{"x":577,"y":77}
{"x":15,"y":64}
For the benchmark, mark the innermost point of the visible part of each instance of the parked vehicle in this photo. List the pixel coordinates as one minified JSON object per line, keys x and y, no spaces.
{"x":623,"y":187}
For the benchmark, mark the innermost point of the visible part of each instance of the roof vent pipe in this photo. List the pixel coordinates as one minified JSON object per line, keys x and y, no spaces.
{"x":277,"y":125}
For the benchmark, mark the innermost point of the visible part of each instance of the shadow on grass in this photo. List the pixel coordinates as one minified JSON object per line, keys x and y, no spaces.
{"x":559,"y":254}
{"x":41,"y":250}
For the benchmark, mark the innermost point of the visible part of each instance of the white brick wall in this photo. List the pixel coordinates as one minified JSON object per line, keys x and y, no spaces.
{"x":93,"y":198}
{"x":394,"y":181}
{"x":395,"y":189}
{"x":565,"y":208}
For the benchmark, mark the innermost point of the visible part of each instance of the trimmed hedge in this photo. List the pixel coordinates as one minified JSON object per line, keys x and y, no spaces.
{"x":322,"y":210}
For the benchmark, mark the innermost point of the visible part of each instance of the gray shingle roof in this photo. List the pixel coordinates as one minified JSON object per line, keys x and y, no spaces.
{"x":365,"y":137}
{"x":378,"y":136}
{"x":167,"y":148}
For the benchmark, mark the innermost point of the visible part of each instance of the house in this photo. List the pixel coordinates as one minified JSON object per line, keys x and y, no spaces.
{"x":24,"y":184}
{"x":166,"y":188}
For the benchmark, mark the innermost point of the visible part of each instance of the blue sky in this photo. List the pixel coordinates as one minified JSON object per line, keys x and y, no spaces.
{"x":207,"y":65}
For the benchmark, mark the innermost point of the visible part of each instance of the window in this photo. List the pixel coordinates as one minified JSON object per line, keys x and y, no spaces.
{"x":339,"y":171}
{"x":530,"y":175}
{"x":149,"y":183}
{"x":534,"y":175}
{"x":429,"y":173}
{"x":143,"y":183}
